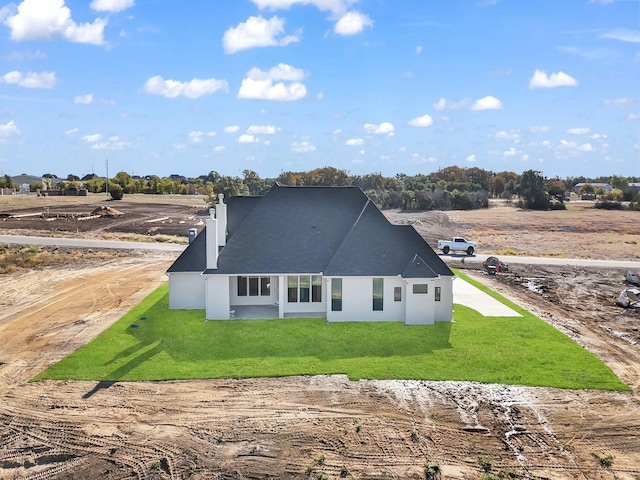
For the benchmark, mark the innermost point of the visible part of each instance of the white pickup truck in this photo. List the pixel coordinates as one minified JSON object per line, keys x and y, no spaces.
{"x":457,"y":244}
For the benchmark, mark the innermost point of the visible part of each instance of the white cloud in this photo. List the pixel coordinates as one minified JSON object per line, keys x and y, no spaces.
{"x":512,"y":152}
{"x":385,"y":128}
{"x":542,"y":129}
{"x":620,"y":102}
{"x":113,"y":143}
{"x":541,"y":80}
{"x":83,"y":99}
{"x":30,"y":79}
{"x":262,"y":129}
{"x":231,"y":129}
{"x":111,"y":5}
{"x":8,"y":130}
{"x":512,"y":135}
{"x":423,"y":121}
{"x":46,"y":20}
{"x":219,"y":148}
{"x":337,"y":131}
{"x":418,"y":49}
{"x":195,"y":136}
{"x":334,"y":6}
{"x":71,"y":132}
{"x":302,"y":147}
{"x":247,"y":139}
{"x":444,"y":104}
{"x":586,"y":147}
{"x":578,"y":131}
{"x":633,"y":117}
{"x":195,"y":88}
{"x":598,"y":136}
{"x":354,"y":142}
{"x":471,"y":158}
{"x":96,"y":137}
{"x":487,"y":103}
{"x":259,"y":85}
{"x":256,"y":32}
{"x":623,"y":34}
{"x":352,"y":23}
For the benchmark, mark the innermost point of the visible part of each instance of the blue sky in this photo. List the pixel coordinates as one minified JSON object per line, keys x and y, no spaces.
{"x":170,"y":86}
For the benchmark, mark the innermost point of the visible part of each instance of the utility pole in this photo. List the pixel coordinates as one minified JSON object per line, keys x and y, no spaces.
{"x":106,"y":184}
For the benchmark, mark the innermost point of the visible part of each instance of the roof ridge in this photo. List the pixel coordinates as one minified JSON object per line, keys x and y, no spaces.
{"x":346,"y":237}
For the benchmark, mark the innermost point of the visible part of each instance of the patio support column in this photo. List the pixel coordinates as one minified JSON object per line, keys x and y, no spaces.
{"x":282,"y":289}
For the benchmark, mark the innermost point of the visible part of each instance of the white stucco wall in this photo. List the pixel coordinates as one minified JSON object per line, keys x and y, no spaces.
{"x":186,"y":290}
{"x":444,"y":308}
{"x":357,"y":300}
{"x":420,"y":306}
{"x":217,"y":297}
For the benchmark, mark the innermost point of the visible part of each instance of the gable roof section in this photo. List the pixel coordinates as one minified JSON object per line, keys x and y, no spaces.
{"x":375,"y":247}
{"x":194,"y":257}
{"x":292,"y":230}
{"x":238,"y":208}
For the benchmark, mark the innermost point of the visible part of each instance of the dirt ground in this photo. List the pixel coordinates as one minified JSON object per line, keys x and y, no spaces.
{"x":317,"y":426}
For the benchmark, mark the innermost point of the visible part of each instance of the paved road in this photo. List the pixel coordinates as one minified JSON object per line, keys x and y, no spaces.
{"x":578,"y":262}
{"x":86,"y":243}
{"x":172,"y":247}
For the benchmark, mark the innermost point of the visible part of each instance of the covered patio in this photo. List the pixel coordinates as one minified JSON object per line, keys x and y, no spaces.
{"x":267,"y":311}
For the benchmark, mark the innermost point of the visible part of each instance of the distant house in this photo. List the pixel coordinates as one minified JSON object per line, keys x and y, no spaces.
{"x":311,"y":251}
{"x":89,"y":176}
{"x":604,"y":186}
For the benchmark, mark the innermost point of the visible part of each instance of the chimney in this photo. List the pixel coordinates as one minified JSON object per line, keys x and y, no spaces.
{"x":221,"y":215}
{"x":193,"y":233}
{"x":212,"y":241}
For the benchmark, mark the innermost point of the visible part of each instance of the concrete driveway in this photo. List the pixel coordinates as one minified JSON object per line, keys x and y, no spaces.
{"x":470,"y":296}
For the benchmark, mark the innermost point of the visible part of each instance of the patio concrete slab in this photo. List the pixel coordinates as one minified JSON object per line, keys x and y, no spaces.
{"x":470,"y":296}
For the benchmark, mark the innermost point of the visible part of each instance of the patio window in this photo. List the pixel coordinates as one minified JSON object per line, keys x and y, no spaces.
{"x":378,"y":289}
{"x":292,"y":288}
{"x":316,"y":288}
{"x":304,"y":288}
{"x":254,"y":286}
{"x":438,"y":293}
{"x":265,"y":286}
{"x":336,"y":294}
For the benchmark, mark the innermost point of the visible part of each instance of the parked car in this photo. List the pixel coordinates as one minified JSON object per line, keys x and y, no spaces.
{"x":457,"y":244}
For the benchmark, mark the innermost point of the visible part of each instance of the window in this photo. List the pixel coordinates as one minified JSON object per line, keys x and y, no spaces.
{"x":316,"y":288}
{"x":242,"y":286}
{"x":265,"y":286}
{"x":304,"y":288}
{"x":420,"y":288}
{"x":254,"y":286}
{"x":438,"y":293}
{"x":336,"y":294}
{"x":292,"y":288}
{"x":397,"y":294}
{"x":378,"y":288}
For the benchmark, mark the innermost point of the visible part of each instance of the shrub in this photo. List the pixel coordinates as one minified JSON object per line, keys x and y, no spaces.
{"x":431,"y":470}
{"x":116,"y":191}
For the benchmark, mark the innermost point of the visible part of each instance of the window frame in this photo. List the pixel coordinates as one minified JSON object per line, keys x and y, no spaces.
{"x":417,"y":290}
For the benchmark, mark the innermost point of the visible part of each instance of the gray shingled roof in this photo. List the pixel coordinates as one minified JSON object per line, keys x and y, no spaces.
{"x":336,"y":231}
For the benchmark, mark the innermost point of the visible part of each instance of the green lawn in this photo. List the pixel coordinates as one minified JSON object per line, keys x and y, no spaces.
{"x":178,"y":344}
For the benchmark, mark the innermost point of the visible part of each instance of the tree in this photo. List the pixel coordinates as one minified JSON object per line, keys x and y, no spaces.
{"x":619,"y":182}
{"x":532,"y":190}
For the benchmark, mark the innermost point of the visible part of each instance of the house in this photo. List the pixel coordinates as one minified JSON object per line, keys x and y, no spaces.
{"x":311,"y":251}
{"x":596,"y":185}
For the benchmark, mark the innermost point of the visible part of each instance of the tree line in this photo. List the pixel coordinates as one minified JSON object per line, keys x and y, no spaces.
{"x":447,"y":188}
